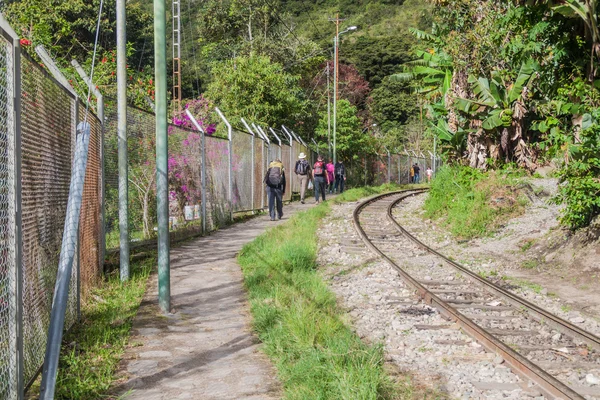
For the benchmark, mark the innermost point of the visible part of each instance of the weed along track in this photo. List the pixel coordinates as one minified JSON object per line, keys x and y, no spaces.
{"x":562,"y":359}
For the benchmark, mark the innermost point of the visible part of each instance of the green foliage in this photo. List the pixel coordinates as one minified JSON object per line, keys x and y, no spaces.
{"x":296,"y":317}
{"x":392,"y":104}
{"x":258,"y":89}
{"x":471,"y":202}
{"x":351,"y":142}
{"x":580,"y":182}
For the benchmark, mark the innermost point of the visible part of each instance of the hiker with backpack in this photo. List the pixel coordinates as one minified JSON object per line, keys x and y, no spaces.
{"x":340,"y":176}
{"x":275,"y":185}
{"x":330,"y":169}
{"x":302,"y":171}
{"x":320,"y":178}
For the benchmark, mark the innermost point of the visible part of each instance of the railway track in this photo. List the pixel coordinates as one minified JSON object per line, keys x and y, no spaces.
{"x":526,"y":336}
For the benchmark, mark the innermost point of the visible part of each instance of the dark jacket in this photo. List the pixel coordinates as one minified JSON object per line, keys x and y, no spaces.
{"x":340,"y":169}
{"x":308,"y":169}
{"x":282,"y":183}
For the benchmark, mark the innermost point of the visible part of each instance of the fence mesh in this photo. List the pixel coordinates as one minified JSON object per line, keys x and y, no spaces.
{"x":242,"y":171}
{"x":259,"y":172}
{"x":217,"y":180}
{"x":7,"y":226}
{"x":89,"y":225}
{"x":47,"y":118}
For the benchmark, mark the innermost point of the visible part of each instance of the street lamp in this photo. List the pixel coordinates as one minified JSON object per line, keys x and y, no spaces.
{"x":336,"y":40}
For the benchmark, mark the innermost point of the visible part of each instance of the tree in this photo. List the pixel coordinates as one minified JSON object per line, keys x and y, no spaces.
{"x":351,"y":141}
{"x":259,"y":90}
{"x":392,"y":104}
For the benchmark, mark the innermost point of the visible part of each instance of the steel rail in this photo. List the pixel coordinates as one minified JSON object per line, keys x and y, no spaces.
{"x":539,"y":313}
{"x":520,"y":364}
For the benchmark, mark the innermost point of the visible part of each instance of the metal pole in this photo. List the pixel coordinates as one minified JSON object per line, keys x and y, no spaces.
{"x":389,"y":168}
{"x":434,"y":155}
{"x":335,"y":85}
{"x":122,"y":139}
{"x":264,"y":161}
{"x":252,"y":173}
{"x":278,"y":140}
{"x":328,"y":114}
{"x":65,"y":266}
{"x":162,"y":151}
{"x":53,"y":68}
{"x":17,"y":298}
{"x":202,"y":168}
{"x":291,"y":139}
{"x":230,"y":174}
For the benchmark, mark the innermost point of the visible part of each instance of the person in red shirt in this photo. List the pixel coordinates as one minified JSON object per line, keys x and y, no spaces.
{"x":320,"y":178}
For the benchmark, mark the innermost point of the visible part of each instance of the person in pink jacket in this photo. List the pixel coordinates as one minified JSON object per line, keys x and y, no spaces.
{"x":330,"y":168}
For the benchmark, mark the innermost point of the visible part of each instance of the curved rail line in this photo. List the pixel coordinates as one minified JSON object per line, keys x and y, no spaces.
{"x":519,"y":363}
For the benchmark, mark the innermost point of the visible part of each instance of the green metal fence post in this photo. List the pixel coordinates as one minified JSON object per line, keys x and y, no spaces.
{"x":162,"y":169}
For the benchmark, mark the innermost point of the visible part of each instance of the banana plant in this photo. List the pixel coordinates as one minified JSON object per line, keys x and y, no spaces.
{"x":586,"y":10}
{"x":500,"y":105}
{"x":496,"y":100}
{"x":433,"y":73}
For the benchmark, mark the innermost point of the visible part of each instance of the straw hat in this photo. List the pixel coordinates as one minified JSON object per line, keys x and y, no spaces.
{"x":302,"y":155}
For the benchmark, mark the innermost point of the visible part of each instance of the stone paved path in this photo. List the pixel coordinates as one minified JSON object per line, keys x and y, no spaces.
{"x":205,"y":349}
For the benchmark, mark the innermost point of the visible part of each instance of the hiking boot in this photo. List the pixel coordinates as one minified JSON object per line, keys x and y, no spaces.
{"x":302,"y":201}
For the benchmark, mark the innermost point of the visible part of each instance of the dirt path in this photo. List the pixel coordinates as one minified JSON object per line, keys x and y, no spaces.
{"x":205,"y":349}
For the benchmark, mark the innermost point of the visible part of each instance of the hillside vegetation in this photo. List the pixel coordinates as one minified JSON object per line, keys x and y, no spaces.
{"x":494,"y":82}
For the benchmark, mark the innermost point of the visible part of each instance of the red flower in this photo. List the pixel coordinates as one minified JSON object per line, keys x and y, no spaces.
{"x":25,"y":42}
{"x":104,"y":59}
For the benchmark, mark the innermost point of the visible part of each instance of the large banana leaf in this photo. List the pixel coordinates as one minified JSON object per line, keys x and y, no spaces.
{"x":442,"y":130}
{"x":526,"y":74}
{"x":494,"y":120}
{"x":481,"y":89}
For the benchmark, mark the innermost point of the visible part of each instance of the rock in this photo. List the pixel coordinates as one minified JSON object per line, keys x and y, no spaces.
{"x":577,"y":320}
{"x":544,"y":292}
{"x":498,"y":360}
{"x":592,"y":380}
{"x":556,"y":337}
{"x":427,"y":278}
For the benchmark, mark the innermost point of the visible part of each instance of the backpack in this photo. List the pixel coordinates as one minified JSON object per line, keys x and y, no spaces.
{"x":318,"y":168}
{"x":274,"y":178}
{"x":341,"y":171}
{"x":302,"y":167}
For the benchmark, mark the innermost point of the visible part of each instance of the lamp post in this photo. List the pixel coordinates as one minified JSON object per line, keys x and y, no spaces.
{"x":336,"y":40}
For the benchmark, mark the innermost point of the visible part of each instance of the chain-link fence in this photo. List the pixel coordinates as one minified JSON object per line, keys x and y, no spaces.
{"x":393,"y":168}
{"x":8,"y":270}
{"x":38,"y":119}
{"x":192,"y":155}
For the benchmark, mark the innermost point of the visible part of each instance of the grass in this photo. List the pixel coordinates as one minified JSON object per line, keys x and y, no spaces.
{"x":527,"y":245}
{"x":296,"y":317}
{"x":530,"y":264}
{"x":473,"y":203}
{"x":92,"y":350}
